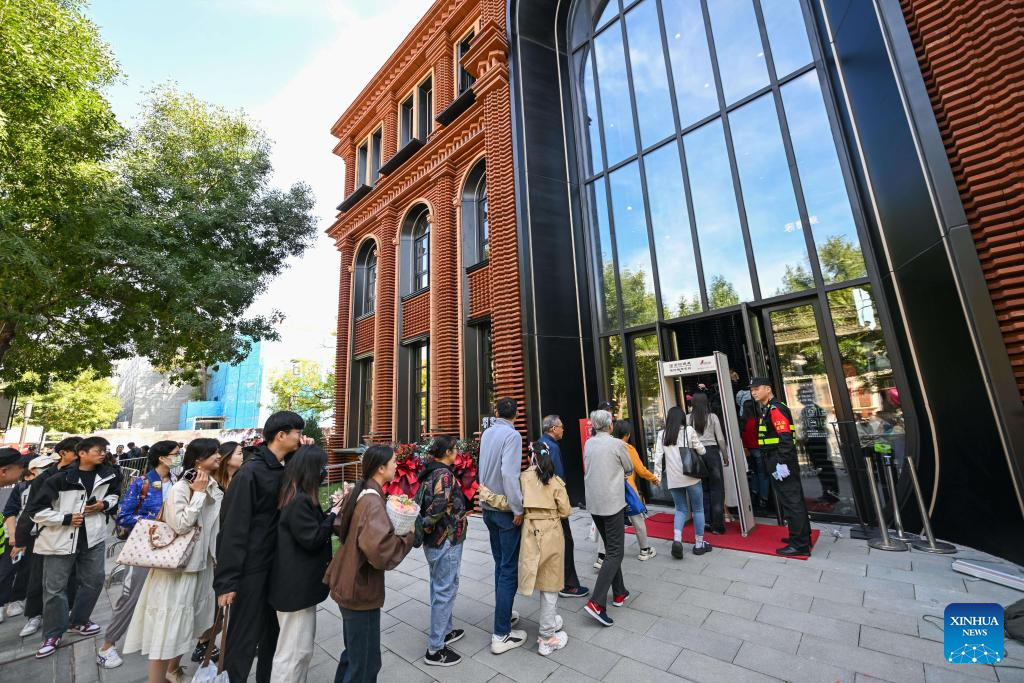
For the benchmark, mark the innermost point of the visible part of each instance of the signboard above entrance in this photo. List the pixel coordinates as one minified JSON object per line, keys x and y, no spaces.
{"x":688,"y":366}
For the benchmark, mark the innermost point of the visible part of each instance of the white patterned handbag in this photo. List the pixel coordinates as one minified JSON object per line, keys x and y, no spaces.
{"x":153,"y":544}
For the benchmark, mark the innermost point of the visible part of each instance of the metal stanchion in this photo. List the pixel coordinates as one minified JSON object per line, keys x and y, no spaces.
{"x":885,"y":450}
{"x":884,"y":542}
{"x":927,"y":544}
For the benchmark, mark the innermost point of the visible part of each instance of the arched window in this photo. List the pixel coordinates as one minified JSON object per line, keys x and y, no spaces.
{"x":416,"y":250}
{"x":366,"y":279}
{"x":476,"y":236}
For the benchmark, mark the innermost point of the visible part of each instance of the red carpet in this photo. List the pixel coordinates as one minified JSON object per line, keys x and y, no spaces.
{"x":764,"y":539}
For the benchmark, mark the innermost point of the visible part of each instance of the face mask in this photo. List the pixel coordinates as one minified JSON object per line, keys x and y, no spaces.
{"x":176,"y":461}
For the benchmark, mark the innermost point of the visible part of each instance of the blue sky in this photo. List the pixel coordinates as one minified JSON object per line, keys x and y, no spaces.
{"x":293,"y":66}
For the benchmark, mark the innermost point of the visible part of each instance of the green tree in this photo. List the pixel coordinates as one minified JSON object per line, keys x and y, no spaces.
{"x":80,"y":406}
{"x":722,"y":293}
{"x":190,"y":234}
{"x":306,"y":389}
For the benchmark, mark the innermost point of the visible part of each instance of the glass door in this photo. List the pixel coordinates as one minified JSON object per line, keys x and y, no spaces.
{"x":806,"y":381}
{"x":648,"y":416}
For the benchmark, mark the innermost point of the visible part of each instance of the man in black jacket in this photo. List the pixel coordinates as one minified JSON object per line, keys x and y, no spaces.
{"x":246,"y":546}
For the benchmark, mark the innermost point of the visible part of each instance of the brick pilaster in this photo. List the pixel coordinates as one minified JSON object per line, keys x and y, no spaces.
{"x":389,"y":114}
{"x":444,"y":307}
{"x":442,"y":57}
{"x":342,"y":351}
{"x":349,"y":155}
{"x":385,"y":342}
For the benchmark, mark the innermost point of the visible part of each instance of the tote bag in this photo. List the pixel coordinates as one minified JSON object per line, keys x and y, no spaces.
{"x":153,"y":544}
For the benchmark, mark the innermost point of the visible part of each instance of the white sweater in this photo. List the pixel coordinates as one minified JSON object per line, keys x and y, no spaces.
{"x":673,"y":468}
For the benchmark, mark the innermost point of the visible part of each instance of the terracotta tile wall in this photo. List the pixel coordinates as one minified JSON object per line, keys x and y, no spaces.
{"x":972,"y":58}
{"x":416,"y":316}
{"x":364,"y":335}
{"x":480,"y":292}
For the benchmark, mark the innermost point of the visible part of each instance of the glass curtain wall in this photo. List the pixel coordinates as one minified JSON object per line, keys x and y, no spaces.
{"x":709,"y":165}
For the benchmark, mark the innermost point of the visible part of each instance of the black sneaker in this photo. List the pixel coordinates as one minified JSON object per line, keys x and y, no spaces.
{"x":677,"y":550}
{"x":574,"y":592}
{"x":599,"y":613}
{"x":453,"y":635}
{"x":704,"y":547}
{"x":443,"y":657}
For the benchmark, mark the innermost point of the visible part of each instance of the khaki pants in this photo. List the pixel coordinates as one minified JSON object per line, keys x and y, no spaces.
{"x":294,"y":645}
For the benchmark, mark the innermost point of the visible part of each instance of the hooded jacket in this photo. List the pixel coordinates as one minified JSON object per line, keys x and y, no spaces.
{"x":248,"y":521}
{"x":63,"y":495}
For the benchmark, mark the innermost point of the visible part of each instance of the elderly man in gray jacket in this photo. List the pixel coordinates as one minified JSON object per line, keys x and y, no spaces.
{"x":606,"y":463}
{"x":501,"y":457}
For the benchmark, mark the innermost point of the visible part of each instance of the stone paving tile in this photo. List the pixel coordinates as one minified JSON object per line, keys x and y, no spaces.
{"x":690,"y":614}
{"x":905,"y":605}
{"x":847,"y":594}
{"x":474,"y":640}
{"x":940,"y":674}
{"x":693,"y":638}
{"x":564,"y":674}
{"x":814,"y":624}
{"x":845,"y":565}
{"x":756,"y":576}
{"x":788,"y":667}
{"x":631,"y":671}
{"x":795,"y":569}
{"x":943,"y":597}
{"x":656,"y":653}
{"x":850,"y":656}
{"x":630,"y":618}
{"x":779,"y":636}
{"x":520,"y":664}
{"x":394,"y":669}
{"x":771,"y":596}
{"x":730,"y":604}
{"x":585,"y":658}
{"x":895,"y":622}
{"x":713,"y":584}
{"x":694,"y":666}
{"x":418,"y":590}
{"x":877,"y":558}
{"x":414,"y":613}
{"x":948,"y":581}
{"x":924,"y":651}
{"x":875,"y":586}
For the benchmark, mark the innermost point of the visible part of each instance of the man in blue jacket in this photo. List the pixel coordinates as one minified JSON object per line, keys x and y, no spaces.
{"x":553,"y":432}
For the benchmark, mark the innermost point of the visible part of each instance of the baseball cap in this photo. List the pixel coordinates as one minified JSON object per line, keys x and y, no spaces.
{"x":40,"y":462}
{"x":9,"y":456}
{"x":760,"y":382}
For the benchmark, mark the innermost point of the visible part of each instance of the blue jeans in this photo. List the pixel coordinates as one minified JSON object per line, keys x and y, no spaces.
{"x":696,"y":502}
{"x":360,"y":660}
{"x":444,"y":586}
{"x":505,"y":550}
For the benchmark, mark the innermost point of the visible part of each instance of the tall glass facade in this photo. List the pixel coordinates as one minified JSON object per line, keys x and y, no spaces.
{"x":711,"y":173}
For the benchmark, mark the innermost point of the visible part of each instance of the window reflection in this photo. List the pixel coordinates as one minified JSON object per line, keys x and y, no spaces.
{"x":787,"y":35}
{"x":828,"y":205}
{"x":869,"y":376}
{"x":677,"y":264}
{"x":741,"y":62}
{"x":614,"y":388}
{"x":609,"y":309}
{"x":636,"y":278}
{"x":617,"y":115}
{"x":645,"y":367}
{"x":650,"y":79}
{"x":593,"y":162}
{"x":776,"y":232}
{"x":694,"y":79}
{"x":723,"y":256}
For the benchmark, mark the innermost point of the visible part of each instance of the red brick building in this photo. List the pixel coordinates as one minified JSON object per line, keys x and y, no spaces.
{"x":542,"y":200}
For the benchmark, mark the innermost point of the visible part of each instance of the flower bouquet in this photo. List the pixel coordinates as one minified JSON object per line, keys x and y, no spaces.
{"x":403,"y":512}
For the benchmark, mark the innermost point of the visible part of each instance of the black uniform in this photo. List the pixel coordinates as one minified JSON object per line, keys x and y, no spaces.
{"x":775,"y":438}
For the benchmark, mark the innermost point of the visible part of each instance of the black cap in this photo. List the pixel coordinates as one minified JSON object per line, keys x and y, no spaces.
{"x":760,"y":382}
{"x":9,"y":456}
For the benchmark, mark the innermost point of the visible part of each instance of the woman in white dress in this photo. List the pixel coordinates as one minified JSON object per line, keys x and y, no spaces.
{"x":176,"y":606}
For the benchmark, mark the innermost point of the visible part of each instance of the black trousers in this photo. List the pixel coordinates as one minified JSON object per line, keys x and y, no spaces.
{"x":360,"y":661}
{"x":790,"y":493}
{"x":613,"y":532}
{"x":252,"y":630}
{"x":13,"y":577}
{"x":714,"y":489}
{"x":817,"y":451}
{"x":34,"y":587}
{"x":571,"y":579}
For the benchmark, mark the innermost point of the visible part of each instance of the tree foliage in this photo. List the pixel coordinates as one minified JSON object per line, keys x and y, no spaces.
{"x":306,"y":389}
{"x":113,"y":243}
{"x":80,"y":406}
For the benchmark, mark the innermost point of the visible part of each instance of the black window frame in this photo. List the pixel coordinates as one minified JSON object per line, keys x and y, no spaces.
{"x":365,"y":299}
{"x":465,"y":79}
{"x":407,"y":120}
{"x":425,"y":108}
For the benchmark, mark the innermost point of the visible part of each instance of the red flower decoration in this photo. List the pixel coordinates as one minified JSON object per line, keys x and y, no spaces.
{"x":465,"y":473}
{"x":407,"y":473}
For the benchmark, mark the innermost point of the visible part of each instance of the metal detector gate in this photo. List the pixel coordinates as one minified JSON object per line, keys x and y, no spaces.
{"x":716,"y":364}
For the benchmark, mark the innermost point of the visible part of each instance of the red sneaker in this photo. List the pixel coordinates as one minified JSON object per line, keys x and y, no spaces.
{"x":620,"y":600}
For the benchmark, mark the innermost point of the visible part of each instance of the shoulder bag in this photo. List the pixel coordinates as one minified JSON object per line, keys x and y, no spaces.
{"x":153,"y":544}
{"x":693,"y":464}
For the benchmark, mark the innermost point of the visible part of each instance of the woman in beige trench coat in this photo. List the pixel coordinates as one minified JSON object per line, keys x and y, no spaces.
{"x":541,"y":565}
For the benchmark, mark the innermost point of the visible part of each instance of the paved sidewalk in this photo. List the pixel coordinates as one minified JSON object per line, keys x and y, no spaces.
{"x":847,"y":614}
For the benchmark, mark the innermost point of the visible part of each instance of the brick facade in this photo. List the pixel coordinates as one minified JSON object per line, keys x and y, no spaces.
{"x":980,"y":111}
{"x":434,"y":175}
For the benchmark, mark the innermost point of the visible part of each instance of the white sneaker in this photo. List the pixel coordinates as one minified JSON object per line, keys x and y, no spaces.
{"x":109,"y":659}
{"x":16,"y":608}
{"x":646,"y":554}
{"x":514,"y":639}
{"x":546,"y":646}
{"x":515,"y":618}
{"x":31,"y":626}
{"x":598,"y":563}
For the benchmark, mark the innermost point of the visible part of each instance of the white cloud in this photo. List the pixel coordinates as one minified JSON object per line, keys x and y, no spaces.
{"x":298,"y":118}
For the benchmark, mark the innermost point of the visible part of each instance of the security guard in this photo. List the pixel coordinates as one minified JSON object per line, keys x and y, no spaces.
{"x":775,"y":437}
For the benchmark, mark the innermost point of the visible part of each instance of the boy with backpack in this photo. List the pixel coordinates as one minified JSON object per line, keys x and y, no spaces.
{"x":441,"y":529}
